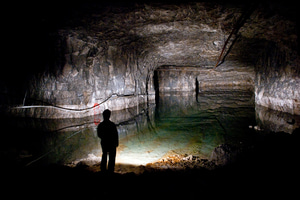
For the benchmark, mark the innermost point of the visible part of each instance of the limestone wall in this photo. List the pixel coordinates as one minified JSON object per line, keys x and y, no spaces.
{"x":174,"y":78}
{"x":277,"y":82}
{"x":93,"y":73}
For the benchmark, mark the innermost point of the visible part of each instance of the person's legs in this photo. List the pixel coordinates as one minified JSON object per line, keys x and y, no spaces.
{"x":112,"y":160}
{"x":103,"y":161}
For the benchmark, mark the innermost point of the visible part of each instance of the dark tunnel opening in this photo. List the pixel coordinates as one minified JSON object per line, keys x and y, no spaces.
{"x":156,"y":87}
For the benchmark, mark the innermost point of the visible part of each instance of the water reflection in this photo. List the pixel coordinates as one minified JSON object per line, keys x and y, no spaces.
{"x":178,"y":124}
{"x":276,"y":121}
{"x":197,"y":127}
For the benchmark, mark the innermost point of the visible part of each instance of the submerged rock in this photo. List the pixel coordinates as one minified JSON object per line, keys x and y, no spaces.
{"x":224,"y":154}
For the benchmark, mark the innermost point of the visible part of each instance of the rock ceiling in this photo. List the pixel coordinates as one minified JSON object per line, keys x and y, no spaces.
{"x":186,"y":33}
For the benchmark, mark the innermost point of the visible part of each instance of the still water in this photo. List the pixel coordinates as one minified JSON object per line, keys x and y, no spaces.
{"x":179,"y":123}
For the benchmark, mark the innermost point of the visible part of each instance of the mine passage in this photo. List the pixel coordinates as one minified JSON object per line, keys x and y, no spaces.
{"x":192,"y":85}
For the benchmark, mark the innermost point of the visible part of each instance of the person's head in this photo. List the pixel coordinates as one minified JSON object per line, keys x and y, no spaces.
{"x":106,"y":114}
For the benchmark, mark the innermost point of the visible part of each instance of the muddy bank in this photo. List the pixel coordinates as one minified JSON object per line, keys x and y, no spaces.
{"x":171,"y":161}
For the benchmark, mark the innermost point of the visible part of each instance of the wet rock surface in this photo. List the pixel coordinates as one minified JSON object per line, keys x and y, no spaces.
{"x":277,"y":81}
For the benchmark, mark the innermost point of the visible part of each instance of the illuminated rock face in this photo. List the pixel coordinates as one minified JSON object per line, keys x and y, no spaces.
{"x":92,"y":73}
{"x":110,"y":55}
{"x":172,"y":78}
{"x":277,"y":83}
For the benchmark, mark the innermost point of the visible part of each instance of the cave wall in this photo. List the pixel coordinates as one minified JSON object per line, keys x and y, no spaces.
{"x":187,"y":78}
{"x":277,"y":80}
{"x":108,"y":54}
{"x":92,"y":73}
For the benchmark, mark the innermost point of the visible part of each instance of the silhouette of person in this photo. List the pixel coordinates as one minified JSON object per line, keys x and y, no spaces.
{"x":107,"y":132}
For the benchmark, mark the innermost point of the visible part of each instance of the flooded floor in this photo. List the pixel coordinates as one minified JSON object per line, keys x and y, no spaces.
{"x":212,"y":128}
{"x":178,"y":124}
{"x":184,"y":126}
